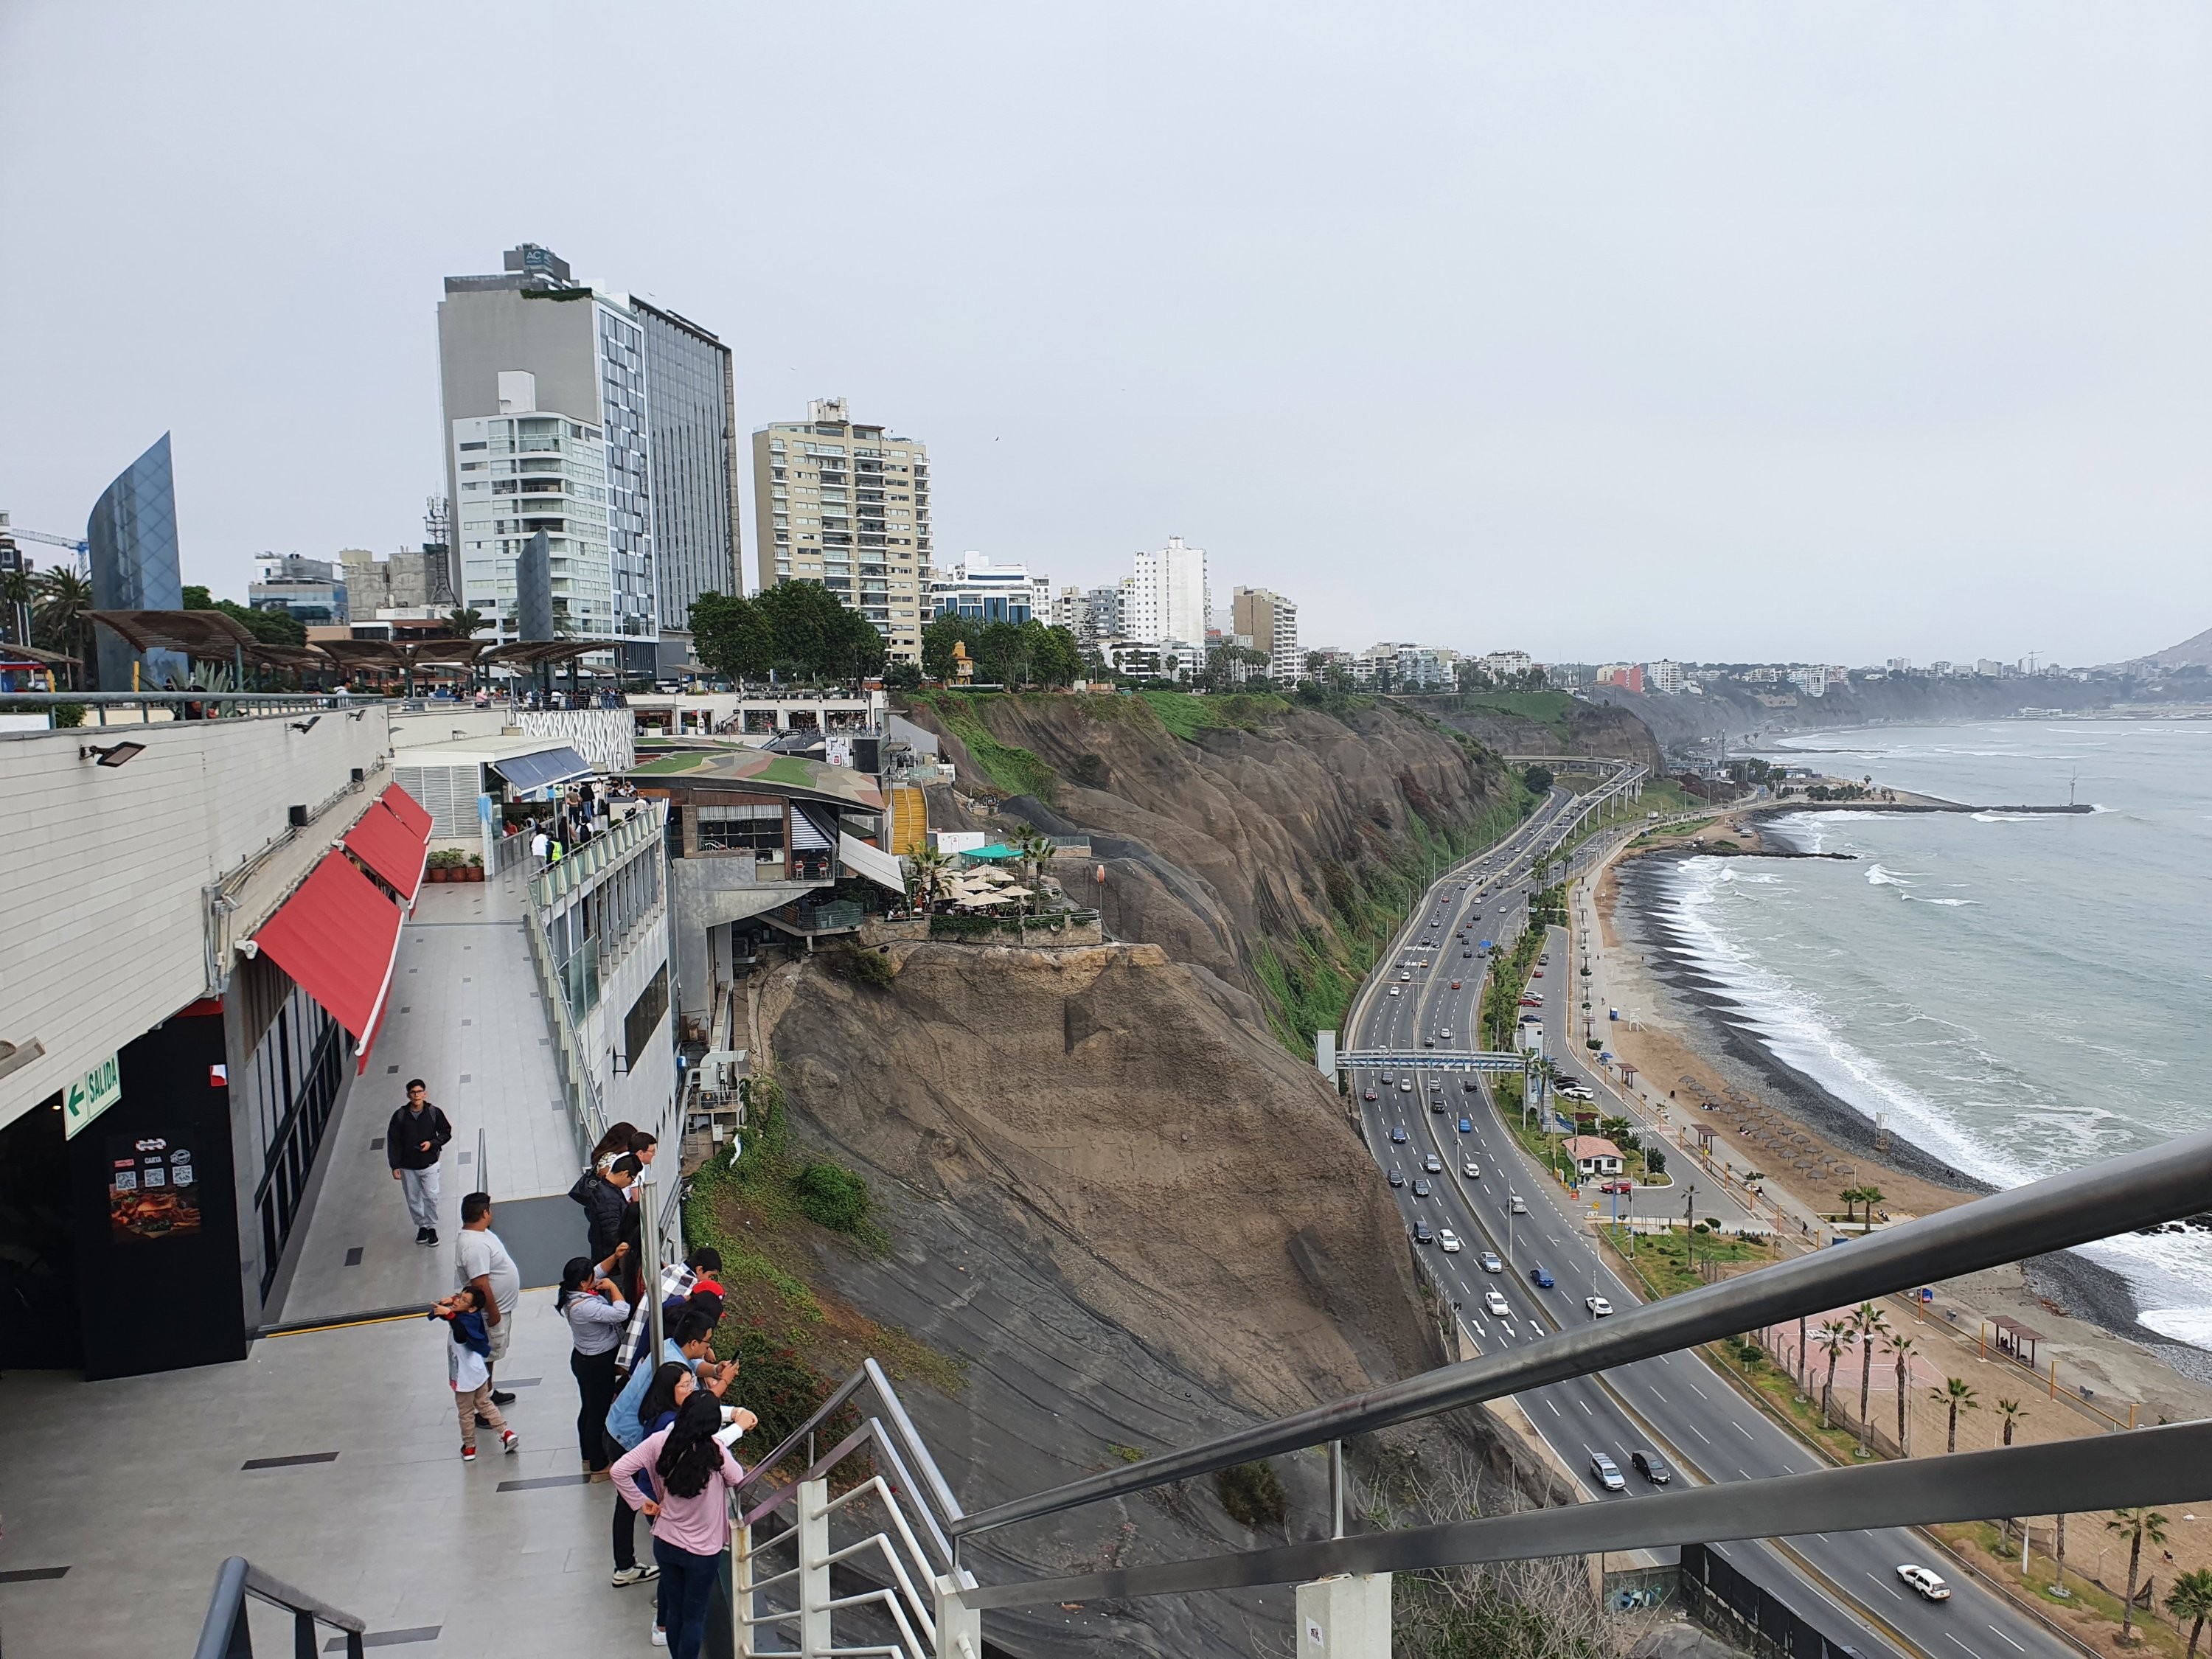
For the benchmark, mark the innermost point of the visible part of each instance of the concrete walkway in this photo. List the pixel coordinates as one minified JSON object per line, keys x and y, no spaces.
{"x":467,"y":1017}
{"x":137,"y":1488}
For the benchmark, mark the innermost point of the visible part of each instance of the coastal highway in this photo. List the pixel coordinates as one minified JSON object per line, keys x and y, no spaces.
{"x":1676,"y":1404}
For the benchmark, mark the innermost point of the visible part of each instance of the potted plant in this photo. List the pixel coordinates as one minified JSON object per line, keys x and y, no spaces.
{"x":476,"y":866}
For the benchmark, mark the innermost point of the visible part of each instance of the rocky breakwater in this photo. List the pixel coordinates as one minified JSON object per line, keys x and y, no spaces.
{"x":1129,"y":1218}
{"x":1272,"y":845}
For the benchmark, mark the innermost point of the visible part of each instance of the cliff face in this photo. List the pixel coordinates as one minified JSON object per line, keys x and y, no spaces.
{"x":1133,"y":1217}
{"x":1265,"y":852}
{"x":1544,"y":723}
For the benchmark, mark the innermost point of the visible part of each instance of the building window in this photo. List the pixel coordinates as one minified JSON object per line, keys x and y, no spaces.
{"x":735,"y":829}
{"x":645,"y":1016}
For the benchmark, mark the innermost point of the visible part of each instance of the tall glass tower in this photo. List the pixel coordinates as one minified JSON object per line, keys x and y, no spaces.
{"x":133,"y":537}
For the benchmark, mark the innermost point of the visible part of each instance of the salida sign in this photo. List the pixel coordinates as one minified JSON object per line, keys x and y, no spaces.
{"x":88,"y":1096}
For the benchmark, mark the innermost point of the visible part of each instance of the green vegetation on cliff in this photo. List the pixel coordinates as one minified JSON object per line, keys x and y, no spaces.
{"x":1012,"y":770}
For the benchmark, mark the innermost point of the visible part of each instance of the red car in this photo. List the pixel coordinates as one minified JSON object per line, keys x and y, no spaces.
{"x":1538,"y":974}
{"x":1623,"y":1185}
{"x":1371,"y":1094}
{"x":1455,"y":985}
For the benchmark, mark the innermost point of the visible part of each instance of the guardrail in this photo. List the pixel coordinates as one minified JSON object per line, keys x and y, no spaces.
{"x":239,"y":705}
{"x":225,"y":1632}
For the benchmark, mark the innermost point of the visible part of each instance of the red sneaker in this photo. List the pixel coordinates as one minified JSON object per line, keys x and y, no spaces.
{"x":468,"y":1453}
{"x":507,"y":1440}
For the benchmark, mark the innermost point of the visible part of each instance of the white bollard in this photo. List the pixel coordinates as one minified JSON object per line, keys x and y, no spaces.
{"x":1344,"y":1617}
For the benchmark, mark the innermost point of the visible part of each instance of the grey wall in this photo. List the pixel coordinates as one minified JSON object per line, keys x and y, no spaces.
{"x":483,"y":331}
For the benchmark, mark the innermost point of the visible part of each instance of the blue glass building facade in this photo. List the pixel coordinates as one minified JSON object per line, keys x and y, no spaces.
{"x":132,"y":534}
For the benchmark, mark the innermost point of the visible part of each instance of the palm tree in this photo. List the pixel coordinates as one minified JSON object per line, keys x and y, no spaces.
{"x":60,"y":619}
{"x":2191,"y":1598}
{"x":1036,"y":850}
{"x":1959,"y":1397}
{"x":1867,"y":1323}
{"x":2012,"y":1414}
{"x":464,"y":620}
{"x":930,"y":866}
{"x":1832,"y":1340}
{"x":1902,"y":1347}
{"x":1851,"y":1197}
{"x":1870,"y":1196}
{"x":2136,"y":1526}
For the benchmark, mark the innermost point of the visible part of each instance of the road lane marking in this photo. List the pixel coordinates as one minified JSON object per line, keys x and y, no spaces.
{"x":1584,"y":1404}
{"x":1700,"y":1432}
{"x":1556,"y":1411}
{"x":1961,"y":1646}
{"x":2001,"y":1636}
{"x":1740,"y":1428}
{"x":1700,"y":1392}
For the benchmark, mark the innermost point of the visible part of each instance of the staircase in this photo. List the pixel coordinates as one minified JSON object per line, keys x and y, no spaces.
{"x":910,"y":820}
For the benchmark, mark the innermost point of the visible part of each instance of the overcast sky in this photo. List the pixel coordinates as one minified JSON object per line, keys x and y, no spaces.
{"x":1715,"y":331}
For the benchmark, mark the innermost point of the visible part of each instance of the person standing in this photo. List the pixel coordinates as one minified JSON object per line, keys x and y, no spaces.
{"x":693,"y":1474}
{"x":482,"y":1260}
{"x":413,"y":1142}
{"x":596,"y":1311}
{"x":603,"y":1192}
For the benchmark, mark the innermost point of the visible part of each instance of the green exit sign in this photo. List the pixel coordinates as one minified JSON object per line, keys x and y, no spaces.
{"x":88,"y":1096}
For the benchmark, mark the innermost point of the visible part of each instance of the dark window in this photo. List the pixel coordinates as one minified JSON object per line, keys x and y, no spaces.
{"x":730,"y":829}
{"x":645,"y":1016}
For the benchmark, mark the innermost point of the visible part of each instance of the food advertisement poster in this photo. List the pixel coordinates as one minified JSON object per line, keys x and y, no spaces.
{"x":153,"y":1191}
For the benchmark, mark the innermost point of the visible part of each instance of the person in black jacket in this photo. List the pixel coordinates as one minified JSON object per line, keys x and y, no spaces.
{"x":605,"y":1194}
{"x":414,"y":1143}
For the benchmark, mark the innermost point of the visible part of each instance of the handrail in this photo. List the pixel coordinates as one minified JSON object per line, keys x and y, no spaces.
{"x":225,"y":1634}
{"x":2140,"y":1190}
{"x":2151,"y":1465}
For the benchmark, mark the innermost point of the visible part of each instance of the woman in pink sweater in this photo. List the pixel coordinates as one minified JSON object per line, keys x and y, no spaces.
{"x":692,"y":1474}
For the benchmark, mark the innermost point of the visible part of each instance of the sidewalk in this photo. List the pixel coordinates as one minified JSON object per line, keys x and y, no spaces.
{"x":139,"y":1487}
{"x":468,"y":1019}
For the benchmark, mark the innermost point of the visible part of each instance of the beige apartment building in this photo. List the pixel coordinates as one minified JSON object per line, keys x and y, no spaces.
{"x":847,"y":506}
{"x":1272,"y":623}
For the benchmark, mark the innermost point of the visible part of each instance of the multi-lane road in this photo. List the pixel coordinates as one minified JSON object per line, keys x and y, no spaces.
{"x":1677,"y":1406}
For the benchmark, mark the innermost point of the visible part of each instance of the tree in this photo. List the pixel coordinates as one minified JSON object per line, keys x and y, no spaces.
{"x":1902,"y":1347}
{"x":948,"y":630}
{"x":1867,"y":1323}
{"x":1958,"y":1397}
{"x":1870,"y":1196}
{"x":926,"y":876}
{"x":2010,"y":1413}
{"x":463,"y":621}
{"x":733,"y":636}
{"x":2191,"y":1598}
{"x":274,"y":627}
{"x":1851,"y":1197}
{"x":901,"y":677}
{"x":61,"y":614}
{"x":1833,"y":1340}
{"x":816,"y":637}
{"x":1538,"y":778}
{"x":2136,"y":1526}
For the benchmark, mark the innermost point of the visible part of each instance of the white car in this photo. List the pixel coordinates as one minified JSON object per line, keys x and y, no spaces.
{"x":1598,"y":1305}
{"x":1444,"y":1036}
{"x":1491,"y":1264}
{"x":1449,"y":1240}
{"x":1471,"y":1170}
{"x":1394,"y":990}
{"x":1931,"y":1588}
{"x":1405,"y":979}
{"x":1405,"y":1085}
{"x":1496,"y":1304}
{"x":1517,"y":1205}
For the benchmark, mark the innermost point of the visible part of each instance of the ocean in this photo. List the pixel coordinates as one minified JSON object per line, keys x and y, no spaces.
{"x":2014,"y":995}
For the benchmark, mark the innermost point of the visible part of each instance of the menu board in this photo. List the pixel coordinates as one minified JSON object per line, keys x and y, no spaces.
{"x":153,"y":1189}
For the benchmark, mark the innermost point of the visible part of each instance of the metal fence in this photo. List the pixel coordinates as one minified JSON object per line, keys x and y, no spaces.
{"x":1748,"y":1615}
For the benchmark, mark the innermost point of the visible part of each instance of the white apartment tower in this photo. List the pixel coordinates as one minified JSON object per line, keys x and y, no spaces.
{"x":1168,"y":601}
{"x":847,"y":506}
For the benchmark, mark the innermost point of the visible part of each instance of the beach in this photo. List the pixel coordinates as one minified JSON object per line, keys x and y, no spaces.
{"x":1677,"y":1030}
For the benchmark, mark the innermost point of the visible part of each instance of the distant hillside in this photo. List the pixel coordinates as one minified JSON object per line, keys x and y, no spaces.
{"x":2194,"y":653}
{"x":1738,"y":714}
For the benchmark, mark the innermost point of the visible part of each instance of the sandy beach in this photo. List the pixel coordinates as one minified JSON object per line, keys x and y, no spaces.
{"x":1769,"y":1117}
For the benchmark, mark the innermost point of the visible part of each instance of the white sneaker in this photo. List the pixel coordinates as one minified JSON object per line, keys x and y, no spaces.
{"x":660,"y":1637}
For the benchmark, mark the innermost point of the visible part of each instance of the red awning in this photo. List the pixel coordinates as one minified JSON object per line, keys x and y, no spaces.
{"x":388,"y":846}
{"x":409,"y":810}
{"x":339,"y":937}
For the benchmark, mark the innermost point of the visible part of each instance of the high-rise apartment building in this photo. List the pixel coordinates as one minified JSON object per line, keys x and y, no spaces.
{"x":1093,"y":614}
{"x":312,"y":590}
{"x":1664,"y":676}
{"x":847,"y":505}
{"x":1168,"y":601}
{"x":607,"y":424}
{"x":1272,"y":623}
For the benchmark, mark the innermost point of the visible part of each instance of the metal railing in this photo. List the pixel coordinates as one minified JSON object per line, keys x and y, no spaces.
{"x":895,"y":1527}
{"x":229,"y":705}
{"x":226,"y":1634}
{"x":2168,"y":1464}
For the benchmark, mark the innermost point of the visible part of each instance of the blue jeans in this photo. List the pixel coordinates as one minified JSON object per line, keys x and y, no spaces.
{"x":687,"y":1590}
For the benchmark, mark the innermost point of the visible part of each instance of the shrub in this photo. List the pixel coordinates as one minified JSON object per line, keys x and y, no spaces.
{"x":831,"y":1196}
{"x":1655,"y":1162}
{"x":857,"y":967}
{"x":67,"y":714}
{"x":1253,"y":1494}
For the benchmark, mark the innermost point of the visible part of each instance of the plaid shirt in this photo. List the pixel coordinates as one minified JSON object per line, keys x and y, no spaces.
{"x":676,"y":1283}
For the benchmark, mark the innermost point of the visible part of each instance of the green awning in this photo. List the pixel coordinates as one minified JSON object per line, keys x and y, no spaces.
{"x":994,"y":852}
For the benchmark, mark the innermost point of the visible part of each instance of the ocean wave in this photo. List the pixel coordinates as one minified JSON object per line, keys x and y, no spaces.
{"x":1929,"y":901}
{"x":2014,"y":818}
{"x":1879,"y":876}
{"x":2190,"y":1325}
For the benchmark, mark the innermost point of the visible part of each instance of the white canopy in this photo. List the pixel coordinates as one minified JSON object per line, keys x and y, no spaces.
{"x":862,"y":859}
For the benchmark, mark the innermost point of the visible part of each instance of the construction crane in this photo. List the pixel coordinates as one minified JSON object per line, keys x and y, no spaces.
{"x":17,"y":614}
